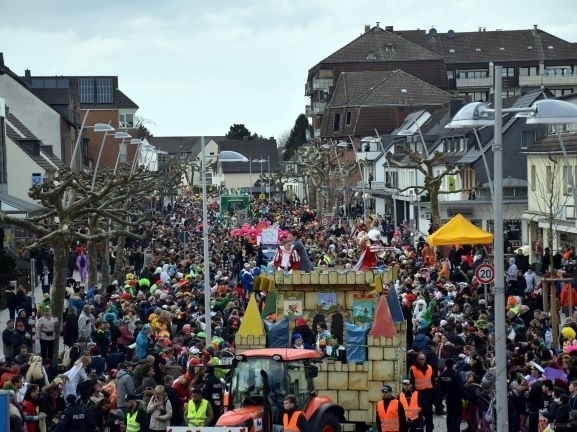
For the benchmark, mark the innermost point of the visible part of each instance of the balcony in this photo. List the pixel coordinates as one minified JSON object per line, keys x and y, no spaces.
{"x":474,"y":82}
{"x":548,"y":79}
{"x":322,"y":83}
{"x":317,"y":108}
{"x":368,"y":156}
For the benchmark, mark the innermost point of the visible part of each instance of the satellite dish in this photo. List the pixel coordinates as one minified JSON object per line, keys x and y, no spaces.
{"x":450,"y":34}
{"x":433,"y":32}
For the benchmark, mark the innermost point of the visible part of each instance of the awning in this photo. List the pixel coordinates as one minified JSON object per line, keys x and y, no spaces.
{"x":13,"y":205}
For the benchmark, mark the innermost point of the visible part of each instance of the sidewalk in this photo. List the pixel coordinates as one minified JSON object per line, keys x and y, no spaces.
{"x":36,"y":295}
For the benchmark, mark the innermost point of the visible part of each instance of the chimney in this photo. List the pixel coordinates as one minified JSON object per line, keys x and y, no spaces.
{"x":27,"y":76}
{"x":367,"y":28}
{"x":455,"y":104}
{"x":1,"y":59}
{"x":535,"y":29}
{"x":378,"y":23}
{"x":389,"y":28}
{"x":480,"y":28}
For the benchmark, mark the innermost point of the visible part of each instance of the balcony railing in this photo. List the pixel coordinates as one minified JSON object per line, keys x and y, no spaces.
{"x":474,"y":82}
{"x":537,"y":80}
{"x":370,"y":155}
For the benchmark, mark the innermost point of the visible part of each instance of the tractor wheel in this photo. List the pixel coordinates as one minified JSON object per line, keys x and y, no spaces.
{"x":329,"y":423}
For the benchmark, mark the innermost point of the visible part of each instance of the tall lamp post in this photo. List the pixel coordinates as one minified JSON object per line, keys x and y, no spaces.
{"x":98,"y":127}
{"x":224,"y":156}
{"x":478,"y":114}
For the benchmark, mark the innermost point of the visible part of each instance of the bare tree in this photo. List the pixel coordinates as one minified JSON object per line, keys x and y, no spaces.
{"x":71,"y":202}
{"x":320,"y":164}
{"x":432,"y":183}
{"x":551,"y":198}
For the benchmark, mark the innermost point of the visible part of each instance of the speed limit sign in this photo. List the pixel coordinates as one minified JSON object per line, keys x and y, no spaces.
{"x":485,"y":273}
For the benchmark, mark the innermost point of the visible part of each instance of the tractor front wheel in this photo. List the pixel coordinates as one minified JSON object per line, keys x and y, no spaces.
{"x":329,"y":423}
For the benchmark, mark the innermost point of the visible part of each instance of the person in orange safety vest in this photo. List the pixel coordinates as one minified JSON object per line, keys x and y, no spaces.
{"x":413,"y":403}
{"x":390,"y":413}
{"x":293,"y":419}
{"x":422,"y":376}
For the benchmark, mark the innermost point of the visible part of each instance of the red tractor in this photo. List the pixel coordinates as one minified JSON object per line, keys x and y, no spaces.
{"x":260,"y":380}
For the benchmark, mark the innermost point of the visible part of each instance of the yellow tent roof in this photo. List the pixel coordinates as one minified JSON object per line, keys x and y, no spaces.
{"x":459,"y":231}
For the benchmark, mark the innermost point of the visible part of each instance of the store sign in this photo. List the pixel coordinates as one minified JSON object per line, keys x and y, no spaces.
{"x":465,"y":211}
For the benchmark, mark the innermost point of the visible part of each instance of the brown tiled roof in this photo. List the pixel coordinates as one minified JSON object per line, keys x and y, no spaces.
{"x":495,"y":46}
{"x":377,"y":45}
{"x":375,"y":88}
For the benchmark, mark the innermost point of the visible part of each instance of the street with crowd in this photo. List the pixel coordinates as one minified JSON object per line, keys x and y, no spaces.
{"x":136,"y":355}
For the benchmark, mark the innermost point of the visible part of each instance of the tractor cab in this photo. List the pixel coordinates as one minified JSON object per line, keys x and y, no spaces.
{"x":265,"y":381}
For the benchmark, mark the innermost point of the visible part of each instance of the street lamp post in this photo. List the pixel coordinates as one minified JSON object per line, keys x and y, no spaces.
{"x":478,"y":114}
{"x":124,"y":136}
{"x":98,"y":127}
{"x":224,"y":156}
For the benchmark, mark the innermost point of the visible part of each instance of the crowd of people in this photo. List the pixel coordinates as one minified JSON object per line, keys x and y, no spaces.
{"x":136,"y":352}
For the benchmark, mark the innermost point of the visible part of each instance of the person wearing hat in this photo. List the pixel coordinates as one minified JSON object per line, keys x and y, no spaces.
{"x":198,"y":411}
{"x":77,"y":349}
{"x":390,"y":412}
{"x":75,"y":417}
{"x":413,"y":403}
{"x":136,"y":417}
{"x":213,"y":391}
{"x":293,"y":418}
{"x":453,"y":391}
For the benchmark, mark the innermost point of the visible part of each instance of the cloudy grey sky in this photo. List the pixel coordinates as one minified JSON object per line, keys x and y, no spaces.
{"x":197,"y":66}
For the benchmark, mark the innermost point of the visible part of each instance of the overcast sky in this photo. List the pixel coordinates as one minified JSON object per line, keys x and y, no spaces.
{"x":196,"y":67}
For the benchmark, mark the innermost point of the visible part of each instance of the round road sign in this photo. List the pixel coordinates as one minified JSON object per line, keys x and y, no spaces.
{"x":485,"y":273}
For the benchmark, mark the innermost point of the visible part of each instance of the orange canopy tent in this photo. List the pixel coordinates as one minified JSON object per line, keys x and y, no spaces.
{"x":459,"y":231}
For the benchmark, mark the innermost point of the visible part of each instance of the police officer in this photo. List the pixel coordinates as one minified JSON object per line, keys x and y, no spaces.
{"x":390,"y":412}
{"x":412,"y":402}
{"x":75,"y":417}
{"x":453,"y":391}
{"x":213,"y":390}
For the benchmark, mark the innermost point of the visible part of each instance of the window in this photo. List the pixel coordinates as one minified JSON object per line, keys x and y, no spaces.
{"x":508,"y":72}
{"x":561,"y":92}
{"x":533,"y":178}
{"x":391,"y":179}
{"x":548,"y":178}
{"x":349,"y":118}
{"x":86,"y":90}
{"x":567,"y":174}
{"x":104,"y":90}
{"x":468,"y":178}
{"x":126,"y":120}
{"x":528,"y":138}
{"x":528,"y":71}
{"x":337,"y":122}
{"x":473,"y":73}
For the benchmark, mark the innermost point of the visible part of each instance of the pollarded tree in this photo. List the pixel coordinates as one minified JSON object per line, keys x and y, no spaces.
{"x":426,"y":165}
{"x":319,"y":164}
{"x":70,"y":201}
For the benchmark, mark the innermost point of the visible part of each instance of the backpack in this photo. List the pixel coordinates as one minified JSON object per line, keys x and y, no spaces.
{"x":82,"y":261}
{"x":65,"y":358}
